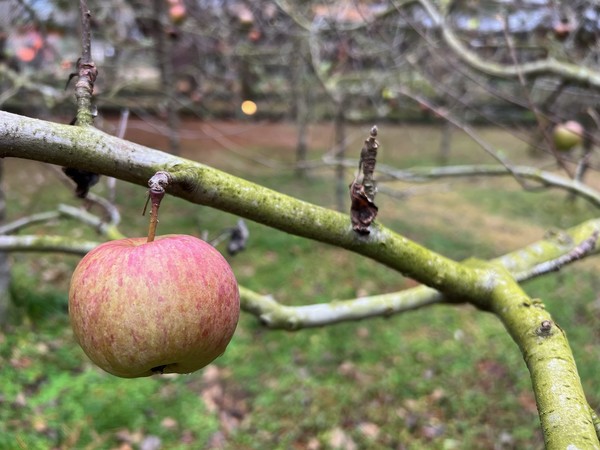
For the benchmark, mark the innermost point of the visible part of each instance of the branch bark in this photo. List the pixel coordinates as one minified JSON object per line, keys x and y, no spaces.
{"x":544,"y":178}
{"x":563,"y":409}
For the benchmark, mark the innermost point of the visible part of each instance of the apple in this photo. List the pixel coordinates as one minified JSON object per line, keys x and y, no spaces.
{"x":138,"y":308}
{"x":177,"y":13}
{"x":567,"y":135}
{"x":562,"y":29}
{"x":388,"y":94}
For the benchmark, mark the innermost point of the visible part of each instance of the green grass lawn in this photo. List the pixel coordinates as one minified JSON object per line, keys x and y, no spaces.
{"x":444,"y":377}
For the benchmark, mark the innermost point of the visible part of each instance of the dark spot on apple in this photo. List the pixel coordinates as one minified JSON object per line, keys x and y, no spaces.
{"x":159,"y":369}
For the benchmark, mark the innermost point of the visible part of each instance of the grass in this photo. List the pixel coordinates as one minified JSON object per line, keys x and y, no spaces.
{"x":445,"y":377}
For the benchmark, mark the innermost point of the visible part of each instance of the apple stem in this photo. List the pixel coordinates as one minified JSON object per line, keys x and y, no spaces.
{"x":155,"y":198}
{"x":159,"y":181}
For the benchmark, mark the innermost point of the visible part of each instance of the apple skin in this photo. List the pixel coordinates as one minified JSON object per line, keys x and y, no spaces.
{"x":567,"y":135}
{"x":167,"y":306}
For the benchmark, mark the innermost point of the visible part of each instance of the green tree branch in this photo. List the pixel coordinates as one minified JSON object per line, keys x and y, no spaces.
{"x":562,"y":406}
{"x":89,"y":149}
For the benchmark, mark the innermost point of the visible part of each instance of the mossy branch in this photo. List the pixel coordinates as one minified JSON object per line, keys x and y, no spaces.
{"x":563,"y":409}
{"x":518,"y":263}
{"x":543,"y":178}
{"x":90,"y":149}
{"x":46,"y":244}
{"x":538,"y":177}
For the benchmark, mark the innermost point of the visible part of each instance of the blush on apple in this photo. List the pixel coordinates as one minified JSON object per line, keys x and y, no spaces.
{"x":168,"y":306}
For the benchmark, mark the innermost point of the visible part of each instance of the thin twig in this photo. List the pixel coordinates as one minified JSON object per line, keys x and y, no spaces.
{"x":565,"y":70}
{"x":24,"y":222}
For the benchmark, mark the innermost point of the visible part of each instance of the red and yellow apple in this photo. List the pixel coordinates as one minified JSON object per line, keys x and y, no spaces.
{"x":567,"y":135}
{"x":177,"y":13}
{"x":168,"y":306}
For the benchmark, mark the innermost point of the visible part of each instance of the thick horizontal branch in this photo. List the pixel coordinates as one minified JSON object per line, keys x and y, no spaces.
{"x":478,"y":283}
{"x":92,"y":150}
{"x":424,"y":174}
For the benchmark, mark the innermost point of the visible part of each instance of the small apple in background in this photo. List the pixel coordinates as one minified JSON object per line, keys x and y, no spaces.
{"x":562,"y":29}
{"x":177,"y":12}
{"x":388,"y":94}
{"x":138,"y":308}
{"x":567,"y":135}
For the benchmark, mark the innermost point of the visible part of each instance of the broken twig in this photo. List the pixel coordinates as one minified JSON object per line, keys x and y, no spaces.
{"x":362,"y":192}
